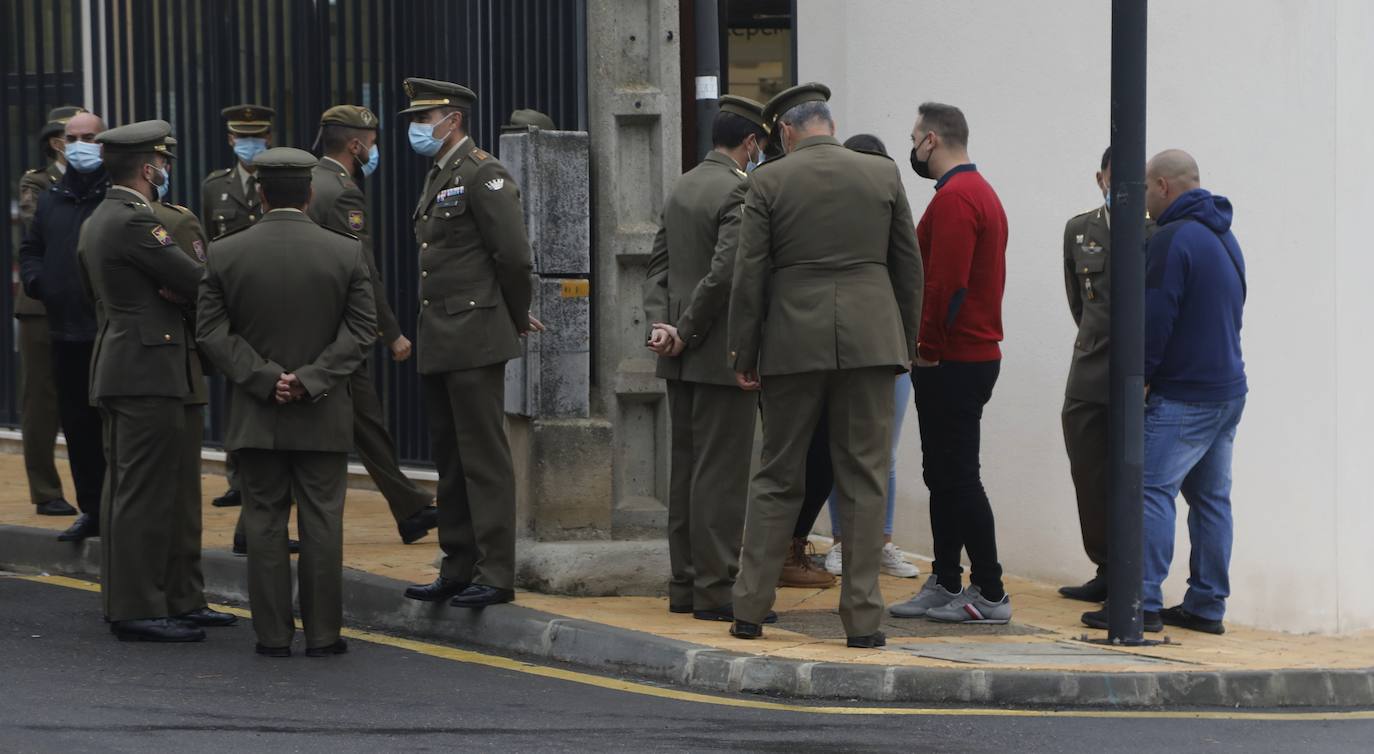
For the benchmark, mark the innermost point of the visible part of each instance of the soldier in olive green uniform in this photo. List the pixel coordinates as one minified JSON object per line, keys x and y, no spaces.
{"x":143,"y":380}
{"x":827,"y":233}
{"x":348,"y":134}
{"x":292,"y":423}
{"x":1087,"y":270}
{"x":229,"y":202}
{"x":712,"y":419}
{"x":475,"y":296}
{"x":528,"y":120}
{"x":38,"y":419}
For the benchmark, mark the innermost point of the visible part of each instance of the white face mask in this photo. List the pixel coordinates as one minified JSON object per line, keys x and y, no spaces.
{"x":755,"y":161}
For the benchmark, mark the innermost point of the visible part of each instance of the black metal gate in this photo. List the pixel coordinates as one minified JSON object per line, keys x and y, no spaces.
{"x":183,"y":61}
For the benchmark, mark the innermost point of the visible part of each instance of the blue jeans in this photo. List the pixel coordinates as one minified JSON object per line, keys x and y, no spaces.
{"x":1188,"y":449}
{"x":901,"y":395}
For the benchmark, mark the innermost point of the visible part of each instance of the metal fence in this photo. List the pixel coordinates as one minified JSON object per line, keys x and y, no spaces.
{"x":183,"y":61}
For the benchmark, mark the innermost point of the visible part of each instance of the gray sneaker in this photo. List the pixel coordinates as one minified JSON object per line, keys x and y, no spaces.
{"x":970,"y":607}
{"x":932,"y":595}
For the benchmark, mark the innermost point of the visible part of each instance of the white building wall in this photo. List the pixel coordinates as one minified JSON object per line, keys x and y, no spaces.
{"x":1274,"y":99}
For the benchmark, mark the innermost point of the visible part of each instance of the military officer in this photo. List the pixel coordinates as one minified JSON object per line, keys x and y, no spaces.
{"x":712,"y":419}
{"x":292,"y":423}
{"x":141,"y":377}
{"x":229,"y":202}
{"x":821,"y":225}
{"x":475,"y":295}
{"x":1087,"y":269}
{"x":38,"y":418}
{"x":348,"y":136}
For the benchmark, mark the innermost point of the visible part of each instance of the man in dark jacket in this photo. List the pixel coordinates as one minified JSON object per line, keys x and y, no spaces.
{"x":1194,"y":385}
{"x":49,"y":273}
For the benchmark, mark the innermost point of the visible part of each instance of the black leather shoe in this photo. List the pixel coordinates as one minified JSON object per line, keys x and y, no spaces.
{"x":436,"y":591}
{"x":58,"y":507}
{"x":481,"y":595}
{"x":415,"y":528}
{"x":743,"y":629}
{"x":679,"y":609}
{"x":1177,"y":616}
{"x":872,"y":641}
{"x":156,"y":629}
{"x":1093,"y":591}
{"x":337,"y":648}
{"x":726,"y":614}
{"x":231,"y":499}
{"x":210,"y":618}
{"x":274,"y":651}
{"x":1151,"y":622}
{"x":85,"y":526}
{"x":293,"y":546}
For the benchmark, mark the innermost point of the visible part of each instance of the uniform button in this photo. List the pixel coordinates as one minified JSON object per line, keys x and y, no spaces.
{"x":252,"y":217}
{"x":733,"y":354}
{"x":424,"y":273}
{"x":1085,"y":269}
{"x":425,"y":245}
{"x":424,"y":217}
{"x":446,"y":214}
{"x":425,"y":302}
{"x":472,"y":303}
{"x":167,"y":337}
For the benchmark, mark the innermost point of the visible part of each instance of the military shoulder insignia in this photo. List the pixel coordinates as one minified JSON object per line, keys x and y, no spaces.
{"x":163,"y":237}
{"x":496,"y":184}
{"x":1079,"y":239}
{"x":31,"y":171}
{"x":218,"y":174}
{"x":181,"y":209}
{"x":355,"y":220}
{"x":479,"y":155}
{"x":199,"y":248}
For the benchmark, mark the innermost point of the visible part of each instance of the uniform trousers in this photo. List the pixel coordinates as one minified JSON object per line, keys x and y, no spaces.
{"x":81,"y":422}
{"x":38,"y":418}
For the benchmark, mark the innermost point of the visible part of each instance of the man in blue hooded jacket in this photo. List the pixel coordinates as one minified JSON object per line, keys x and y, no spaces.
{"x":1194,"y":384}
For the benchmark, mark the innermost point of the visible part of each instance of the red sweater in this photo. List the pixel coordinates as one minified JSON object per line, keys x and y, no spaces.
{"x":963,"y":238}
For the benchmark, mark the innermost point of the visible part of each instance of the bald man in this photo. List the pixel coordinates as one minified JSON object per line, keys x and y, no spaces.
{"x":1195,"y":389}
{"x":48,"y":271}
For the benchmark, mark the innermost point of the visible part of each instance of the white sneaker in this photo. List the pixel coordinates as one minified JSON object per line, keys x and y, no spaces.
{"x":895,"y":563}
{"x":834,"y":560}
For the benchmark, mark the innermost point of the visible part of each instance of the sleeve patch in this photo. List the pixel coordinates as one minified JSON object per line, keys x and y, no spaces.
{"x":496,"y":184}
{"x":163,"y":237}
{"x":355,"y":219}
{"x":199,"y":248}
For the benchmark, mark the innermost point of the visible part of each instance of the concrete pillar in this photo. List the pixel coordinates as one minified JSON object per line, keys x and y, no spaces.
{"x":594,"y":478}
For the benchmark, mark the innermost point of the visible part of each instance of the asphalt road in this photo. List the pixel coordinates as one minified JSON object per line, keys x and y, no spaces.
{"x":67,"y":686}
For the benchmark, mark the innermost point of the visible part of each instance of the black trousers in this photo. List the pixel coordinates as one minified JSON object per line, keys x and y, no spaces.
{"x":820,"y":479}
{"x":949,"y":404}
{"x":81,"y":425}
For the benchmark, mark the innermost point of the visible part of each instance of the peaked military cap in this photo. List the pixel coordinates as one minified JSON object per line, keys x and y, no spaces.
{"x":790,"y":98}
{"x":352,"y":116}
{"x":144,"y":136}
{"x":57,"y":120}
{"x":427,"y":94}
{"x":745,"y":108}
{"x":285,"y":162}
{"x":248,"y":120}
{"x":522,"y":120}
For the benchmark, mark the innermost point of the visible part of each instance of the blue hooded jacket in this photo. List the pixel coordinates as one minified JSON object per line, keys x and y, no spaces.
{"x":1194,"y":298}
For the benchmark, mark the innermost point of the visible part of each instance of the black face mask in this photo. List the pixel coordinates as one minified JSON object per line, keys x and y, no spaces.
{"x":922,"y":167}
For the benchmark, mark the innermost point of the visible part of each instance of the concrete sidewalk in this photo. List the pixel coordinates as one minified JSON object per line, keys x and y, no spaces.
{"x":1040,"y":658}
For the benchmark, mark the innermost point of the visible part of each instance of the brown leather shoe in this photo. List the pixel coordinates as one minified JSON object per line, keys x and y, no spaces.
{"x":798,"y":571}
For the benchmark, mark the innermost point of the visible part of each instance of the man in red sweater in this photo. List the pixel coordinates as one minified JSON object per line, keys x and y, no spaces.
{"x":963,"y":239}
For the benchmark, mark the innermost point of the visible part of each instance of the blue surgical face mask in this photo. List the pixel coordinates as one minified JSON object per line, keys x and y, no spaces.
{"x":1107,"y":197}
{"x":754,"y":161}
{"x":166,"y":182}
{"x":247,"y":147}
{"x":373,"y":157}
{"x":422,"y":138}
{"x":83,"y":156}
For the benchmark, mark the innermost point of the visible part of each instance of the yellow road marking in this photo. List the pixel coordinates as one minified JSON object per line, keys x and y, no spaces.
{"x":587,"y":679}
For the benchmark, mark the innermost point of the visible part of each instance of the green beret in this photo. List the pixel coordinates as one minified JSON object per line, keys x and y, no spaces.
{"x":352,"y":116}
{"x":790,"y":98}
{"x":523,"y":120}
{"x":745,"y":108}
{"x":57,"y":120}
{"x":145,"y":136}
{"x":248,"y":120}
{"x":427,"y":94}
{"x":284,"y":162}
